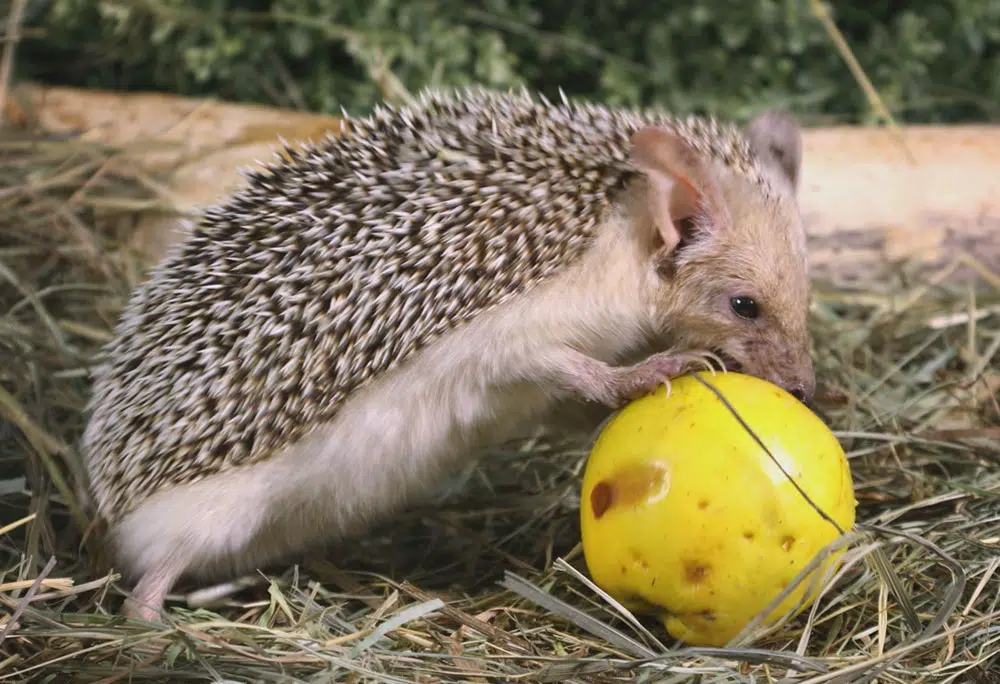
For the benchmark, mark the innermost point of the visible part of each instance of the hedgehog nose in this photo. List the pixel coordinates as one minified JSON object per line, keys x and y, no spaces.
{"x":802,"y":391}
{"x":801,"y":382}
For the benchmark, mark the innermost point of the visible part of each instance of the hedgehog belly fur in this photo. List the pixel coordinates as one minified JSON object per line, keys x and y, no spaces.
{"x":395,"y":437}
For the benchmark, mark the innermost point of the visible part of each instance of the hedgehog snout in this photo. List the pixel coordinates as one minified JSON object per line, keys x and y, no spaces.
{"x":790,"y":369}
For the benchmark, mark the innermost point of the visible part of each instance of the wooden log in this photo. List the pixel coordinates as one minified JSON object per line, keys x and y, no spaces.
{"x":197,"y":148}
{"x":869,"y":199}
{"x":869,"y":202}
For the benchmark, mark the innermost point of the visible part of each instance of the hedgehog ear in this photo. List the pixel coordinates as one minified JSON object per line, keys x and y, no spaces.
{"x":679,"y":185}
{"x":776,"y":139}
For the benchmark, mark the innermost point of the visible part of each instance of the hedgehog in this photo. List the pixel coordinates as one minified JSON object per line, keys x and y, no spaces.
{"x":367,"y":312}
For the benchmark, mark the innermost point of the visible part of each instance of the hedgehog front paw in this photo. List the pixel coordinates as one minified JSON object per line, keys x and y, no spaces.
{"x":612,"y":386}
{"x":658,"y":370}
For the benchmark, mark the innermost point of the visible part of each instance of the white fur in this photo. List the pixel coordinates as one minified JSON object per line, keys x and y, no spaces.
{"x":473,"y":387}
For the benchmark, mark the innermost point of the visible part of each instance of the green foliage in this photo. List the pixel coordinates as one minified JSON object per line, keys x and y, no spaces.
{"x":930,"y":61}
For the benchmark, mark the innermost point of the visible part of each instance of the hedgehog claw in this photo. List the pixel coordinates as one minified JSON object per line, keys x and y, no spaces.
{"x":704,"y":357}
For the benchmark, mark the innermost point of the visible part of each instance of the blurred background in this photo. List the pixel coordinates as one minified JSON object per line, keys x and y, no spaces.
{"x":929,"y":60}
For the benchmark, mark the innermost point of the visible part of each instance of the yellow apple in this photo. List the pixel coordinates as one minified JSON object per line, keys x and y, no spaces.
{"x":685,"y":516}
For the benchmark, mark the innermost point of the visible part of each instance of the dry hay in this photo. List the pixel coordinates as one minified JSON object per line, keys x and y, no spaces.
{"x":910,"y":373}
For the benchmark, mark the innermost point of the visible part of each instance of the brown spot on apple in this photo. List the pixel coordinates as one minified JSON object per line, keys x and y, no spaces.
{"x":628,"y":486}
{"x":695,"y":572}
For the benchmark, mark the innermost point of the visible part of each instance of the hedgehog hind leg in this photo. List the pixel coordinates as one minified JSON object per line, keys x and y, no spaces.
{"x":150,"y":592}
{"x":199,"y":529}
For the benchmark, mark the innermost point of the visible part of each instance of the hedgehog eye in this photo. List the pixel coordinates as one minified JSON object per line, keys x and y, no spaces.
{"x":744,"y":307}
